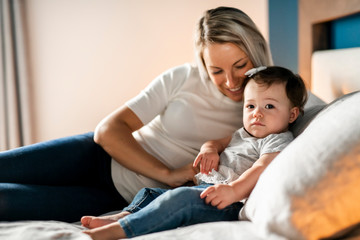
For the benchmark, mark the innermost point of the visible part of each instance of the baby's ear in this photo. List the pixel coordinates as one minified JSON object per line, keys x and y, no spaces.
{"x":294,"y":113}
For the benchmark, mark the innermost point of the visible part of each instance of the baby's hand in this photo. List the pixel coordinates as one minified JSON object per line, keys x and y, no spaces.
{"x":219,"y":195}
{"x":208,"y":159}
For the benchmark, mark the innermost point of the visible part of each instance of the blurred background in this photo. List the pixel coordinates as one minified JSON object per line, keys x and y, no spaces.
{"x":78,"y":60}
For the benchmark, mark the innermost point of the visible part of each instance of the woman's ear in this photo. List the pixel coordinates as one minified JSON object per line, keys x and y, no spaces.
{"x":294,"y":113}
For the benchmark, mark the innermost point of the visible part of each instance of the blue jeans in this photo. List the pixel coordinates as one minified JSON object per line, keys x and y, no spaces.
{"x":155,"y":209}
{"x":61,"y":179}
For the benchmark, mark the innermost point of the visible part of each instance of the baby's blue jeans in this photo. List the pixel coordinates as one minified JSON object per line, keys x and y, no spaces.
{"x":155,"y":209}
{"x":61,"y":179}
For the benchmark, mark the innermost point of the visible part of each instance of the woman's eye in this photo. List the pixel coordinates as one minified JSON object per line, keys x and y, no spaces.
{"x":269,"y":106}
{"x":241,"y":66}
{"x":216,"y":72}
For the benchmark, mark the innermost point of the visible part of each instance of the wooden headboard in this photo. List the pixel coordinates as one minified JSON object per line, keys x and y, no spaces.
{"x":312,"y":36}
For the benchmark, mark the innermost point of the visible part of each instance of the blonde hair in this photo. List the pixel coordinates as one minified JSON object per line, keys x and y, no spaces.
{"x":230,"y":25}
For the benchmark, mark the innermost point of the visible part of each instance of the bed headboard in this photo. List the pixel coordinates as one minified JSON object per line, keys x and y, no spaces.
{"x":313,"y":35}
{"x":335,"y":73}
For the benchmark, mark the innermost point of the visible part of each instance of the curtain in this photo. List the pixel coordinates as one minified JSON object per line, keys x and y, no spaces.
{"x":15,"y":121}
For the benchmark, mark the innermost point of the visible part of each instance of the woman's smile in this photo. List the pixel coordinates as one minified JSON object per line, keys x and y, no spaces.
{"x":227,"y":64}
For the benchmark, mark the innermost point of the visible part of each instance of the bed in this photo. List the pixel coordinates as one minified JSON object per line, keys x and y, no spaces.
{"x":310,"y":191}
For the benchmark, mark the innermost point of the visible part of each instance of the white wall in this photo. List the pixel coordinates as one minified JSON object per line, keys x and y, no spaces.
{"x":87,"y":57}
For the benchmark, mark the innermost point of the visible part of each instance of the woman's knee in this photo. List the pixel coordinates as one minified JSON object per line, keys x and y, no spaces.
{"x":10,"y":202}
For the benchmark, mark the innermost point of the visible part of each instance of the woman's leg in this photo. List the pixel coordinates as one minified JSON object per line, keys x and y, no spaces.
{"x":69,"y":160}
{"x":179,"y":207}
{"x":62,"y":203}
{"x":61,"y":179}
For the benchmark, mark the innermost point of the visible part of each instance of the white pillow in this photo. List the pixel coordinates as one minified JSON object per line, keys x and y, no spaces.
{"x":311,"y":190}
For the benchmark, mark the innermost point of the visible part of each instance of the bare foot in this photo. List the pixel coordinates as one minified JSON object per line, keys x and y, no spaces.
{"x":111,"y":231}
{"x":95,"y":222}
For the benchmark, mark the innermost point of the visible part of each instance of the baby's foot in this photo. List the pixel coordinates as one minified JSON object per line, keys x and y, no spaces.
{"x":95,"y":222}
{"x":111,"y":231}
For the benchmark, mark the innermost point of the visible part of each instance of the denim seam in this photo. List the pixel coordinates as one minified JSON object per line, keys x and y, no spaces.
{"x":138,"y":203}
{"x":126,"y":227}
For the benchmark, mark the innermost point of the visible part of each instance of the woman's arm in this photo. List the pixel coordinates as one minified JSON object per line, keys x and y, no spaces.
{"x":222,"y":195}
{"x":114,"y":134}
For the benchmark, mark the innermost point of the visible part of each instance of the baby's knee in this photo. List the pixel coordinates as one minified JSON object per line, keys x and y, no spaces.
{"x":150,"y":192}
{"x":185,"y":194}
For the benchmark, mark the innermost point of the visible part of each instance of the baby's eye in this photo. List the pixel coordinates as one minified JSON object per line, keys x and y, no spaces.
{"x":250,"y":106}
{"x":269,"y":106}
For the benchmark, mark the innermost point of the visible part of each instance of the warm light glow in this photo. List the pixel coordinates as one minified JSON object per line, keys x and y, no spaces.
{"x":333,"y":204}
{"x":330,"y":79}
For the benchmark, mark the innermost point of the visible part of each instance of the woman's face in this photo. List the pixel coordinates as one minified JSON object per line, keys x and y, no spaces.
{"x":226,"y":65}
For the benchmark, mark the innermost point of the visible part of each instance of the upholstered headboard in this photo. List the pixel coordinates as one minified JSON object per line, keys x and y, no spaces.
{"x":335,"y":73}
{"x":314,"y":36}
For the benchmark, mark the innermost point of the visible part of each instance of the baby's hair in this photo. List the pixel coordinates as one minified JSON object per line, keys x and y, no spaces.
{"x":295,"y":87}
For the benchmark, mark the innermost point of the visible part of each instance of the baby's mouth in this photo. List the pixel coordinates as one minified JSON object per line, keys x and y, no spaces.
{"x":257,"y":124}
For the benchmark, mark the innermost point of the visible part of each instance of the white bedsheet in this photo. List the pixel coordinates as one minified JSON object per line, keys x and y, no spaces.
{"x":46,"y":230}
{"x":41,"y":230}
{"x":240,"y":230}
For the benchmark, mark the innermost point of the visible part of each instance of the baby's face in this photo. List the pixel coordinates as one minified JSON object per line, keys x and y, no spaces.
{"x":267,"y":109}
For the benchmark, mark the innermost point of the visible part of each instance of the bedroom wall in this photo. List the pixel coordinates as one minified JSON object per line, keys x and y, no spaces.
{"x":283,"y":32}
{"x":345,"y":32}
{"x":87,"y":57}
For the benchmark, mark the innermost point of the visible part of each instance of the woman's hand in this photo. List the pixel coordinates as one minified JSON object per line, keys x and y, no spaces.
{"x":220,"y":195}
{"x":180,"y":176}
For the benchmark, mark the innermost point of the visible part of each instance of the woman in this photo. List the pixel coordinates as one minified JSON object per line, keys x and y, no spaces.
{"x":150,"y":141}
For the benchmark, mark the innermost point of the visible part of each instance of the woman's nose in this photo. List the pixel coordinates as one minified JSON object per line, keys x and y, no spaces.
{"x":230,"y":81}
